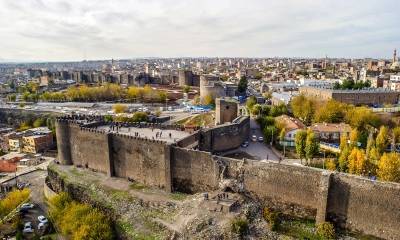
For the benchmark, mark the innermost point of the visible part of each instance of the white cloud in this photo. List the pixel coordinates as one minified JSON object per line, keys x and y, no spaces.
{"x":98,"y":29}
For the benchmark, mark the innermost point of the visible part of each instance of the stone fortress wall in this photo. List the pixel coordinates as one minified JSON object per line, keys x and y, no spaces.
{"x":351,"y":202}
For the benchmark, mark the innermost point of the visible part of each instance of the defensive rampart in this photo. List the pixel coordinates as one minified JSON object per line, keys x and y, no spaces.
{"x":351,"y":202}
{"x":225,"y":137}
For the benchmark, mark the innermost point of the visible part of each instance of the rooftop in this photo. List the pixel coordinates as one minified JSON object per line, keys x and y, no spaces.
{"x":167,"y":135}
{"x":290,"y":123}
{"x":331,"y":127}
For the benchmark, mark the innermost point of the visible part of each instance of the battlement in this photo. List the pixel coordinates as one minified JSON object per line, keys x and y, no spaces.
{"x":163,"y":157}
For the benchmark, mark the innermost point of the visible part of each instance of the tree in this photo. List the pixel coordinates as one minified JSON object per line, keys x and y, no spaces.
{"x":330,"y":112}
{"x":343,"y":158}
{"x":330,"y":165}
{"x":343,"y":141}
{"x":139,"y":117}
{"x":303,"y":108}
{"x":39,"y":122}
{"x":312,"y":145}
{"x":382,"y":139}
{"x":389,"y":167}
{"x":396,"y":135}
{"x":361,"y":118}
{"x":278,"y":110}
{"x":282,"y":134}
{"x":250,"y":102}
{"x":12,"y":97}
{"x":186,"y":89}
{"x":242,"y":86}
{"x":373,"y":157}
{"x":354,"y":135}
{"x":208,"y":100}
{"x":119,"y":108}
{"x":256,"y":109}
{"x":269,"y":132}
{"x":300,"y":143}
{"x":357,"y":163}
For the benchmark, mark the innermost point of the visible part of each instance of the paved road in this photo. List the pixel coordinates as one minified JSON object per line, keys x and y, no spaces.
{"x":27,"y":170}
{"x":36,"y":180}
{"x":259,"y":150}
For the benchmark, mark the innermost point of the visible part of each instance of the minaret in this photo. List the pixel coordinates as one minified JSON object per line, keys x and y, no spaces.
{"x":395,"y":56}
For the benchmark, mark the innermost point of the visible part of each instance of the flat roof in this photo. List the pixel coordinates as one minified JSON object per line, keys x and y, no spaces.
{"x":149,"y":133}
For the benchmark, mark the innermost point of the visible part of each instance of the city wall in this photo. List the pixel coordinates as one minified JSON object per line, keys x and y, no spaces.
{"x":225,"y":137}
{"x":349,"y":201}
{"x":143,"y":160}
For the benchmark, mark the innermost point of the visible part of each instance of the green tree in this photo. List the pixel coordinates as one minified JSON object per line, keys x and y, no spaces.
{"x":39,"y":122}
{"x":12,"y":97}
{"x":278,"y":110}
{"x":186,"y":89}
{"x":269,"y":133}
{"x":300,"y":143}
{"x":139,"y":117}
{"x":312,"y":145}
{"x":256,"y":109}
{"x":250,"y":102}
{"x":242,"y":86}
{"x":282,"y":134}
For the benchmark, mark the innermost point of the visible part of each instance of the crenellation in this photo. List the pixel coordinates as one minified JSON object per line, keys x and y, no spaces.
{"x":297,"y":191}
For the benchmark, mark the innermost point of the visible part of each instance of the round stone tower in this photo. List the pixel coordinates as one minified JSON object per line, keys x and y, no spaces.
{"x":63,"y":141}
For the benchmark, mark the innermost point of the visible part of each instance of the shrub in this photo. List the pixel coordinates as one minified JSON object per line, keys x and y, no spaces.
{"x":12,"y":200}
{"x":272,"y":218}
{"x":330,"y":164}
{"x":239,"y":226}
{"x":79,"y":221}
{"x":326,"y":230}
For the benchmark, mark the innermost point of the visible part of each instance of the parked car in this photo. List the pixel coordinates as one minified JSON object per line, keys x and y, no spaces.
{"x":254,"y":138}
{"x":260,"y":139}
{"x":42,"y":225}
{"x":27,"y":228}
{"x":42,"y":219}
{"x":245,"y":144}
{"x":27,"y":206}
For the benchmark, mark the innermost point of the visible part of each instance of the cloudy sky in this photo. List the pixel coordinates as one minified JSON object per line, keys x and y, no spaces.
{"x":102,"y":29}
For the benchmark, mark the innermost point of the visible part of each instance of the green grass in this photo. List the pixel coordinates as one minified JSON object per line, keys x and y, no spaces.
{"x":75,"y":172}
{"x":299,"y":229}
{"x":137,"y":186}
{"x":178,"y":196}
{"x":129,"y":230}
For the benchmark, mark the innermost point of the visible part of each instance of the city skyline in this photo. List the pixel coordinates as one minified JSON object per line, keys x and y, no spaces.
{"x":42,"y":30}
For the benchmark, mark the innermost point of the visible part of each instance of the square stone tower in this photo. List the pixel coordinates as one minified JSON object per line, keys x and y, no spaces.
{"x":226,"y":109}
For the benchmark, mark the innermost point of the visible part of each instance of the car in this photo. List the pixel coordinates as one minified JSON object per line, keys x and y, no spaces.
{"x":260,"y":139}
{"x":42,"y":219}
{"x":27,"y":228}
{"x":42,"y":225}
{"x":254,"y":138}
{"x":27,"y":206}
{"x":245,"y":144}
